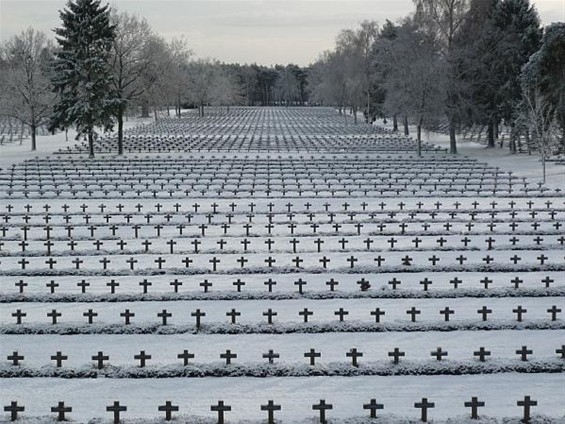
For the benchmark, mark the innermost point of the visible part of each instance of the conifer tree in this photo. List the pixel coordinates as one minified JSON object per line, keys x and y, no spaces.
{"x":81,"y":72}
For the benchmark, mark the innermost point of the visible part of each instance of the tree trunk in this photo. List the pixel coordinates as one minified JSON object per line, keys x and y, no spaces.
{"x":496,"y":129}
{"x":144,"y":109}
{"x":395,"y":122}
{"x":419,"y":134}
{"x":406,"y":129}
{"x":490,"y":134}
{"x":91,"y":144}
{"x":120,"y":119}
{"x":354,"y":111}
{"x":452,"y":138}
{"x":33,"y":130}
{"x":21,"y":132}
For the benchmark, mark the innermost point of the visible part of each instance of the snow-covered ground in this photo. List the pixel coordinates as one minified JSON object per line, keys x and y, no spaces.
{"x":136,"y":239}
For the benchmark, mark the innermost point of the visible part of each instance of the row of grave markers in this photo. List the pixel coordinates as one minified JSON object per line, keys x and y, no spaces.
{"x":424,"y":405}
{"x":100,"y":358}
{"x":341,"y":313}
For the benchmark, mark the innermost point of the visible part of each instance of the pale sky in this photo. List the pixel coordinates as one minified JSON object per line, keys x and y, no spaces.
{"x":244,"y":31}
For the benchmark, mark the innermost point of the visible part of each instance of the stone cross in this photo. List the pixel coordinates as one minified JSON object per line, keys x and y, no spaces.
{"x":13,"y":409}
{"x":220,"y":408}
{"x":168,"y":408}
{"x":116,"y":408}
{"x":61,"y":410}
{"x":322,"y":407}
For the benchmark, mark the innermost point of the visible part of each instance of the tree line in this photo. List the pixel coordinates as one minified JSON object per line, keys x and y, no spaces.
{"x":463,"y":62}
{"x":104,"y":64}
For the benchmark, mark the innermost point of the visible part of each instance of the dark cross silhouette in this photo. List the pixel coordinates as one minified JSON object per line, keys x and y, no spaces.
{"x":116,"y":408}
{"x":438,"y":353}
{"x":228,"y":356}
{"x":176,"y":283}
{"x":59,"y":358}
{"x":13,"y":409}
{"x":19,"y":315}
{"x":61,"y":410}
{"x":54,"y":315}
{"x":90,"y":314}
{"x":373,"y":407}
{"x":271,"y":355}
{"x":15,"y":358}
{"x":424,"y":405}
{"x":484,"y":311}
{"x":198,"y":315}
{"x":164,"y":315}
{"x":300,"y":283}
{"x":233,"y":314}
{"x":426,"y":283}
{"x":269,"y":313}
{"x":206,"y":285}
{"x":446,"y":312}
{"x":83,"y":285}
{"x":322,"y":407}
{"x":341,"y":313}
{"x":482,"y":354}
{"x":142,"y":357}
{"x":474,"y":404}
{"x":220,"y":408}
{"x":238,"y":284}
{"x":554,"y":310}
{"x":270,"y":283}
{"x":413,"y":312}
{"x":305,"y":313}
{"x":127,"y":315}
{"x":168,"y":408}
{"x":100,"y":358}
{"x":527,"y":403}
{"x":561,"y":351}
{"x":377,"y":313}
{"x":524,"y":352}
{"x":185,"y":356}
{"x":312,"y":355}
{"x":354,"y":354}
{"x":519,"y":311}
{"x":396,"y":354}
{"x":270,"y":407}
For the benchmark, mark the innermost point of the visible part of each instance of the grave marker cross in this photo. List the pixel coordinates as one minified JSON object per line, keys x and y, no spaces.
{"x":116,"y":408}
{"x":13,"y":409}
{"x":168,"y":408}
{"x":59,"y":358}
{"x":474,"y":404}
{"x":220,"y":408}
{"x":424,"y":405}
{"x":373,"y":406}
{"x":322,"y":407}
{"x":61,"y":410}
{"x":270,"y":407}
{"x":527,"y":403}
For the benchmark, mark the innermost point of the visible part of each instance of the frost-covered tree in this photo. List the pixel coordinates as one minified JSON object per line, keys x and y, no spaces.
{"x":81,"y":73}
{"x":445,"y":18}
{"x":134,"y":59}
{"x":201,"y":75}
{"x":415,"y":77}
{"x":545,"y":71}
{"x":26,"y":88}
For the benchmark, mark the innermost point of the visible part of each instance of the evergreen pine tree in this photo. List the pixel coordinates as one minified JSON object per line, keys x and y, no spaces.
{"x":81,"y":74}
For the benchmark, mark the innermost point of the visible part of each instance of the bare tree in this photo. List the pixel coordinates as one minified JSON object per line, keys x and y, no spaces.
{"x":201,"y":75}
{"x":539,"y":118}
{"x":415,"y":79}
{"x":444,"y":18}
{"x":28,"y":91}
{"x":135,"y":63}
{"x":226,"y":89}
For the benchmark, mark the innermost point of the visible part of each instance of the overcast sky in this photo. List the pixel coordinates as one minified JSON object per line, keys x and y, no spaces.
{"x":244,"y":31}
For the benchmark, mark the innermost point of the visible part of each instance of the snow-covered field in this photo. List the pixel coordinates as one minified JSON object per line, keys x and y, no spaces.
{"x":278,"y":254}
